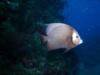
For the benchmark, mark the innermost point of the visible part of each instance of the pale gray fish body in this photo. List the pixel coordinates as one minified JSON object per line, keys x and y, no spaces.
{"x":60,"y":35}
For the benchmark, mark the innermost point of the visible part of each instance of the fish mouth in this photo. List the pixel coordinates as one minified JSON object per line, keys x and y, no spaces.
{"x":81,"y":41}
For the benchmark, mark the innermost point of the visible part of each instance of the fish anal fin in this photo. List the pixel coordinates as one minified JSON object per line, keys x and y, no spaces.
{"x":66,"y":50}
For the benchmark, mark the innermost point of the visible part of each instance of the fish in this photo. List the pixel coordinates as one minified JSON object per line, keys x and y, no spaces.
{"x":61,"y":35}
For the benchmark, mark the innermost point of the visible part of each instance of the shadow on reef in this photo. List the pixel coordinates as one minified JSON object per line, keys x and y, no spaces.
{"x":60,"y":63}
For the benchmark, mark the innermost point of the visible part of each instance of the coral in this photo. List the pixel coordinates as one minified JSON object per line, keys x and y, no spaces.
{"x":21,"y":49}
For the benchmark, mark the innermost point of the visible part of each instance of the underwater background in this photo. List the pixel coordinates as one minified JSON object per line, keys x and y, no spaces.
{"x":21,"y":50}
{"x":84,"y":15}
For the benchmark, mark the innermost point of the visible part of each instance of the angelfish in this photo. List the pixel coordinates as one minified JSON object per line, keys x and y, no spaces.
{"x":61,"y":35}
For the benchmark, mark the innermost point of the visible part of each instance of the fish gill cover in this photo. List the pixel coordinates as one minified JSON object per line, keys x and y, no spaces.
{"x":21,"y":50}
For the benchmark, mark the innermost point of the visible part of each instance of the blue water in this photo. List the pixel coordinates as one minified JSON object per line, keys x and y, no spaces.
{"x":84,"y":15}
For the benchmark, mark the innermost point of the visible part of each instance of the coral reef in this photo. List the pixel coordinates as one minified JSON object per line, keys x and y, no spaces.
{"x":21,"y":50}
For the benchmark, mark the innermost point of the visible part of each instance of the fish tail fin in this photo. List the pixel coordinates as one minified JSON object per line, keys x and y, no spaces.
{"x":44,"y":38}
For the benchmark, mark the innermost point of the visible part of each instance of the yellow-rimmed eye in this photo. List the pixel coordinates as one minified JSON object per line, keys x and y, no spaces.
{"x":76,"y":36}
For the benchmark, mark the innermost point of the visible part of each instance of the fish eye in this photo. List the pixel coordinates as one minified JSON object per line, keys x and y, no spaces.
{"x":76,"y":36}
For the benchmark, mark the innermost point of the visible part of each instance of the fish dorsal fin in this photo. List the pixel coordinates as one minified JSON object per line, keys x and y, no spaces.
{"x":52,"y":26}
